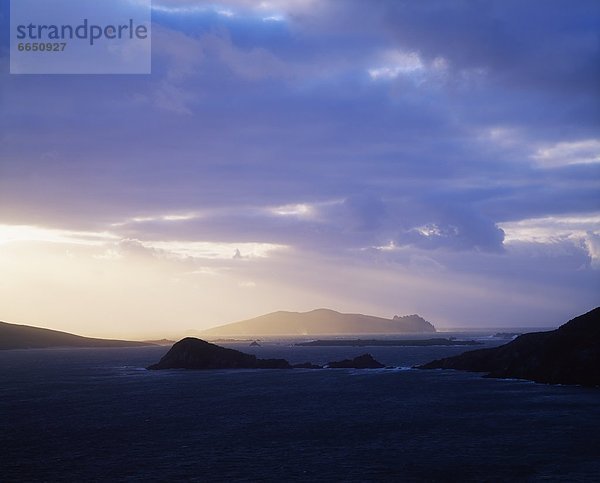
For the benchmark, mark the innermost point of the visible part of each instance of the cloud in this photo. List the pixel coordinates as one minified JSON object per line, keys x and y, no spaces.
{"x":297,"y":210}
{"x":116,"y":245}
{"x":566,"y":153}
{"x":232,"y":7}
{"x":409,"y":65}
{"x":251,"y":64}
{"x":592,"y":243}
{"x":185,"y":60}
{"x":28,"y":233}
{"x":556,"y":232}
{"x":455,"y":227}
{"x":398,"y":63}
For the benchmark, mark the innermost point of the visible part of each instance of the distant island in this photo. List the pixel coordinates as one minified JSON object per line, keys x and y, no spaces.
{"x":567,"y":355}
{"x":193,"y":353}
{"x":386,"y":343}
{"x":14,"y":336}
{"x":160,"y":342}
{"x":321,"y":322}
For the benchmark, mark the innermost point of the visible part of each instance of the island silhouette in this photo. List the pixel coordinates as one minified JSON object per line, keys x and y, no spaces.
{"x":320,"y":322}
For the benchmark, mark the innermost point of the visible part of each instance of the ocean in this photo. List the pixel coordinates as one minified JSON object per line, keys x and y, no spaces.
{"x":82,"y":415}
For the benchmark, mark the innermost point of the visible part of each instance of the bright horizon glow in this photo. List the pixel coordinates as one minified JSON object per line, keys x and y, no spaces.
{"x":27,"y":233}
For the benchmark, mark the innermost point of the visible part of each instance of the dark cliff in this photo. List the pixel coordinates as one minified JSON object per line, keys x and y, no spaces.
{"x":567,"y":355}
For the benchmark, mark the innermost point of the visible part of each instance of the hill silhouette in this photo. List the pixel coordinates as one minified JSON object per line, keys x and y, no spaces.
{"x":321,"y":322}
{"x":14,"y":336}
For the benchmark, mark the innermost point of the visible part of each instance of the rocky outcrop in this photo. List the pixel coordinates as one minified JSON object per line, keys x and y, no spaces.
{"x":567,"y":355}
{"x":413,"y":323}
{"x":192,"y":353}
{"x":364,"y":361}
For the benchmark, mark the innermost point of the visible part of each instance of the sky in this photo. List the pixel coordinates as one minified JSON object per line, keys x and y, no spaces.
{"x":372,"y":156}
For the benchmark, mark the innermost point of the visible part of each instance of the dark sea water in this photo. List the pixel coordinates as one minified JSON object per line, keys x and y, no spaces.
{"x":96,"y":415}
